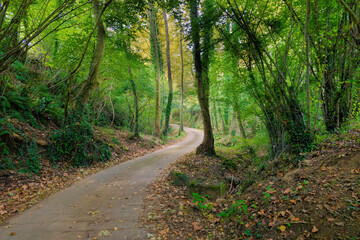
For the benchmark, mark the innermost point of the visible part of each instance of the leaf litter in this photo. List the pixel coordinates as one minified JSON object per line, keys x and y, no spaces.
{"x":319,"y":200}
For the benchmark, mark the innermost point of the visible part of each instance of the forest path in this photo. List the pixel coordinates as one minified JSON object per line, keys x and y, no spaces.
{"x":105,"y":205}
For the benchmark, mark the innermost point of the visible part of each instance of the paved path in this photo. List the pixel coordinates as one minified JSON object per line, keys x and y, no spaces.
{"x":99,"y":203}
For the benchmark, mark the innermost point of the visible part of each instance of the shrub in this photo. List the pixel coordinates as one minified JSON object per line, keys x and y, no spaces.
{"x":75,"y":143}
{"x":29,"y":156}
{"x":202,"y":202}
{"x":237,"y":209}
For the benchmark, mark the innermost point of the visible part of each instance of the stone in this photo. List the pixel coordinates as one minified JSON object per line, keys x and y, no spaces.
{"x":213,"y":189}
{"x":221,"y":201}
{"x":179,"y":178}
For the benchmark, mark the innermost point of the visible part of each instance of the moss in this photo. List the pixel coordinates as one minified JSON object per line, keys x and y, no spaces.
{"x":213,"y":189}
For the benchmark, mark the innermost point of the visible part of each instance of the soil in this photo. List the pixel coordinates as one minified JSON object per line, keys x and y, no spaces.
{"x":320,"y":199}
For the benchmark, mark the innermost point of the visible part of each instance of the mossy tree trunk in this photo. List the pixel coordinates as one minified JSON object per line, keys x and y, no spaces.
{"x":157,"y":66}
{"x":133,"y":88}
{"x":170,"y":96}
{"x":181,"y":128}
{"x":201,"y":61}
{"x":92,"y":82}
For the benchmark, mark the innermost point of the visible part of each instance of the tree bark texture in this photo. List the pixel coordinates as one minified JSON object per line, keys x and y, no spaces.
{"x":157,"y":66}
{"x":181,"y":128}
{"x":92,"y":82}
{"x":202,"y":79}
{"x":168,"y":60}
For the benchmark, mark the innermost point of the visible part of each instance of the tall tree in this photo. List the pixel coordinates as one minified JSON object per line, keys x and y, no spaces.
{"x":12,"y":13}
{"x":168,"y":60}
{"x":181,"y":128}
{"x":157,"y":67}
{"x":92,"y":80}
{"x":133,"y":88}
{"x":307,"y":42}
{"x":202,"y":62}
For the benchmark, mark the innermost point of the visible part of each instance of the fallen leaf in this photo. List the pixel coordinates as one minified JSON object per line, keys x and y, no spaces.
{"x":196,"y":226}
{"x":288,"y":190}
{"x":282,"y":228}
{"x":12,"y":233}
{"x":261,"y":212}
{"x":115,"y":228}
{"x":314,"y":230}
{"x":2,"y":212}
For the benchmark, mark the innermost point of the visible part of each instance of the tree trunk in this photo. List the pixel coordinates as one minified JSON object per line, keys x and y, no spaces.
{"x":201,"y":61}
{"x":238,"y":116}
{"x":133,"y":88}
{"x":308,"y":2}
{"x":215,"y":117}
{"x":241,"y":126}
{"x":136,"y":103}
{"x":181,"y":128}
{"x":170,"y":96}
{"x":157,"y":66}
{"x":92,"y":81}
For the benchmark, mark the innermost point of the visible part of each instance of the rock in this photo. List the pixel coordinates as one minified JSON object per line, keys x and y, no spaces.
{"x":212,"y":189}
{"x":221,"y":200}
{"x":179,"y":179}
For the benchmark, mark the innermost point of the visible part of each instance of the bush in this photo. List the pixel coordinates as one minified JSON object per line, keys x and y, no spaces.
{"x":75,"y":144}
{"x":29,"y":156}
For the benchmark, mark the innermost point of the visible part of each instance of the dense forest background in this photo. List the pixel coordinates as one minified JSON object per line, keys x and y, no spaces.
{"x":273,"y":76}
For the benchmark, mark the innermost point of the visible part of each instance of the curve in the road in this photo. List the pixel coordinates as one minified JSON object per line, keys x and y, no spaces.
{"x":105,"y":205}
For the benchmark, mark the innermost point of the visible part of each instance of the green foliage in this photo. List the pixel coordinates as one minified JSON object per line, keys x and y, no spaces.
{"x":27,"y":152}
{"x":29,"y":155}
{"x":202,"y":202}
{"x":229,"y":163}
{"x":22,"y":73}
{"x":237,"y":209}
{"x":75,"y":143}
{"x":4,"y":148}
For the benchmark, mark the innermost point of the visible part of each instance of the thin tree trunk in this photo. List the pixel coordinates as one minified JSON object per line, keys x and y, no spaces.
{"x":168,"y":60}
{"x":157,"y":66}
{"x":308,"y":2}
{"x":181,"y":128}
{"x":215,"y":117}
{"x":136,"y":103}
{"x":92,"y":81}
{"x":133,"y":88}
{"x":240,"y":122}
{"x":241,"y":126}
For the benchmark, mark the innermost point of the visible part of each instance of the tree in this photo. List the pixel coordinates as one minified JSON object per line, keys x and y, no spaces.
{"x":12,"y":13}
{"x":92,"y":80}
{"x":181,"y":128}
{"x":168,"y":59}
{"x":201,"y":61}
{"x":157,"y":67}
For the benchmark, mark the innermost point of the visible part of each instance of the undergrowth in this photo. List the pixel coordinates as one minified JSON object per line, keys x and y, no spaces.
{"x":75,"y":143}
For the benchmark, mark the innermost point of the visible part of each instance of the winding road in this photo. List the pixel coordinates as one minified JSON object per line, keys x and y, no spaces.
{"x":105,"y":205}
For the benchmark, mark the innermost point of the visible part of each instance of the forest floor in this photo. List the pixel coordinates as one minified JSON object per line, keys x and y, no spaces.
{"x":21,"y":190}
{"x":105,"y":205}
{"x":320,"y":199}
